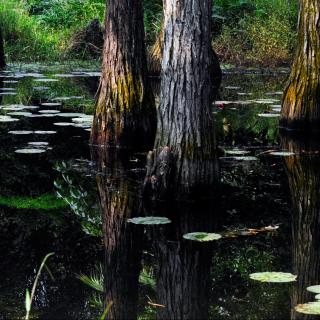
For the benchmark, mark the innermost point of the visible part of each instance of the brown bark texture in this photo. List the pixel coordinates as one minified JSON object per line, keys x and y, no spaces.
{"x":185,"y":145}
{"x":301,"y":99}
{"x":304,"y":181}
{"x":183,"y":266}
{"x":125,"y":113}
{"x":122,"y":241}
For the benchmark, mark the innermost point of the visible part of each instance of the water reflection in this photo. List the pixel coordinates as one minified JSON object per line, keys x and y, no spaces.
{"x":304,"y":181}
{"x":122,"y":241}
{"x":183,"y":266}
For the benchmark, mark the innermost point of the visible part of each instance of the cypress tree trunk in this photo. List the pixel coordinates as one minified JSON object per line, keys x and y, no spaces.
{"x":122,"y":241}
{"x":183,"y":266}
{"x":304,"y":181}
{"x":125,"y":113}
{"x":301,"y":100}
{"x":185,"y":142}
{"x":2,"y":56}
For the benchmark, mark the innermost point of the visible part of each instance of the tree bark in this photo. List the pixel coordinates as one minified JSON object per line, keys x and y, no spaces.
{"x":125,"y":113}
{"x":304,"y":181}
{"x":185,"y":147}
{"x":301,"y":100}
{"x":122,"y":241}
{"x":183,"y":266}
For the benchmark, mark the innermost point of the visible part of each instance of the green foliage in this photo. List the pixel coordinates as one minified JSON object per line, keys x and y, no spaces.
{"x":95,"y":280}
{"x":29,"y":297}
{"x":43,"y":202}
{"x":256,"y":31}
{"x":66,"y":14}
{"x":24,"y":37}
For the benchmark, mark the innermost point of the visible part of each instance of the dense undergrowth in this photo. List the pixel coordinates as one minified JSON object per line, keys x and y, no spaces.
{"x":245,"y":31}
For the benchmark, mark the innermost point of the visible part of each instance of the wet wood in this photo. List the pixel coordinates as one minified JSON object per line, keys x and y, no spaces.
{"x":125,"y":113}
{"x":301,"y":100}
{"x":185,"y":121}
{"x":122,"y":241}
{"x":304,"y":181}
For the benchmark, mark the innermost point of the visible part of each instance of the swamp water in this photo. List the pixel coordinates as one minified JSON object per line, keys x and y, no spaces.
{"x":53,"y":189}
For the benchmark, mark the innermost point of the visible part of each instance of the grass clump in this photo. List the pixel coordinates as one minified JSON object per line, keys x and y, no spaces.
{"x":43,"y":202}
{"x":25,"y":39}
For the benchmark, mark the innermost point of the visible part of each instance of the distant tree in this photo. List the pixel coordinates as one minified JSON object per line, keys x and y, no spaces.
{"x":301,"y":100}
{"x":125,"y":113}
{"x":2,"y":56}
{"x":185,"y":148}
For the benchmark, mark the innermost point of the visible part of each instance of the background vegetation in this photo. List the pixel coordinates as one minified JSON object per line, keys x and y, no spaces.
{"x":245,"y":31}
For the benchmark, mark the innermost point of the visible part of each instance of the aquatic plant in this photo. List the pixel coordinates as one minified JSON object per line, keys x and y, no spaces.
{"x":42,"y":202}
{"x":276,"y":277}
{"x":149,"y":220}
{"x":29,"y":297}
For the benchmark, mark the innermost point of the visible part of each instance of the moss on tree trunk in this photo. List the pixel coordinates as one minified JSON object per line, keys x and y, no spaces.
{"x":301,"y":100}
{"x":185,"y":149}
{"x":125,"y":113}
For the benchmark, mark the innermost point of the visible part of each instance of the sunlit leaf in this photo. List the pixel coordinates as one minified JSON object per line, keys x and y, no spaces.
{"x":149,"y":220}
{"x":202,"y":236}
{"x":276,"y":277}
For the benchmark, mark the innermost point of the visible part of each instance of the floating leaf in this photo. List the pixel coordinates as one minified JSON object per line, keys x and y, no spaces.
{"x":38,"y":143}
{"x":202,"y":236}
{"x":20,"y":132}
{"x":268,"y":115}
{"x":149,"y":220}
{"x":282,"y":153}
{"x":49,"y":111}
{"x":309,"y":308}
{"x":63,"y":124}
{"x":276,"y":277}
{"x":236,"y":151}
{"x":30,"y":151}
{"x":239,"y":158}
{"x":314,"y":289}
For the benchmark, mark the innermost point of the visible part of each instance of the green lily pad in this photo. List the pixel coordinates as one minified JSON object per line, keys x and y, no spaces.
{"x":236,"y":151}
{"x":202,"y":236}
{"x":317,"y":297}
{"x":149,"y":220}
{"x":268,"y":115}
{"x":309,"y":308}
{"x":282,"y":154}
{"x":30,"y":151}
{"x":49,"y":111}
{"x":276,"y":277}
{"x":314,"y":289}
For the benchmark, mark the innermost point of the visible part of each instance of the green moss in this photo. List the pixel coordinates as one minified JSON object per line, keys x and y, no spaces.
{"x":43,"y":202}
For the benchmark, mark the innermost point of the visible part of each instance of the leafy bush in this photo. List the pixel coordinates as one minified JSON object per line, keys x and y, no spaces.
{"x":66,"y":14}
{"x":256,"y":31}
{"x":24,"y":37}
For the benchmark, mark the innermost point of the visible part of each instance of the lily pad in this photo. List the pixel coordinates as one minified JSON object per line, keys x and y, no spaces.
{"x":275,"y":277}
{"x":268,"y":115}
{"x":49,"y":111}
{"x":202,"y":236}
{"x":7,"y":119}
{"x":19,"y":113}
{"x":244,"y":158}
{"x":51,"y":104}
{"x":309,"y":308}
{"x":317,"y":297}
{"x":44,"y":132}
{"x":71,"y":114}
{"x":149,"y":220}
{"x":63,"y":124}
{"x":30,"y":151}
{"x":314,"y":289}
{"x":282,"y":154}
{"x":20,"y":132}
{"x":38,"y":143}
{"x":236,"y":151}
{"x":46,"y":80}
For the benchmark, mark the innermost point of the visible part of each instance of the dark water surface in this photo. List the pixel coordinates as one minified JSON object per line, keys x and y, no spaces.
{"x":67,"y":199}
